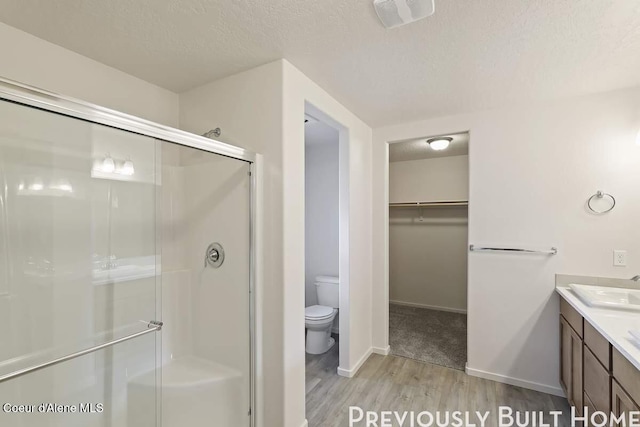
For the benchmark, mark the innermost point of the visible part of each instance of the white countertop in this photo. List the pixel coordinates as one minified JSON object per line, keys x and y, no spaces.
{"x":614,"y":325}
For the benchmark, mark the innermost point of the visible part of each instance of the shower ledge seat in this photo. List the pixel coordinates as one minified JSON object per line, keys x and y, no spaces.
{"x":194,"y":393}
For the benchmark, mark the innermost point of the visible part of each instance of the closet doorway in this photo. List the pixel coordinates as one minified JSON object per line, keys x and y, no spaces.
{"x":428,"y":237}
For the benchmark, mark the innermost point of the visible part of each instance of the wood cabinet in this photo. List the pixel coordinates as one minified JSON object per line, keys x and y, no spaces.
{"x":572,"y":317}
{"x":598,"y":345}
{"x":626,"y":375}
{"x":565,"y":356}
{"x":622,"y":403}
{"x":597,"y":382}
{"x":571,"y":364}
{"x":592,"y":372}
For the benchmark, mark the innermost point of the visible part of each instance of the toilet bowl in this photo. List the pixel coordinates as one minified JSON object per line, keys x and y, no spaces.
{"x":318,"y":320}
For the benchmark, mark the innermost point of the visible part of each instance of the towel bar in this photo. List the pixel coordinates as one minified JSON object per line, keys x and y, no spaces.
{"x":473,"y":248}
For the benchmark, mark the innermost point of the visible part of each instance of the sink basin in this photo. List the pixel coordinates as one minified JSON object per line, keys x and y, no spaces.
{"x":605,"y":297}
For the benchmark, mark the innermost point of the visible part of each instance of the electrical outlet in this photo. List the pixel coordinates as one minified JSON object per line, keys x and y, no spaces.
{"x":619,"y":258}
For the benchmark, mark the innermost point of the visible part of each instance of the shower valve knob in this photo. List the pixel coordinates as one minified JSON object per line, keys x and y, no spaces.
{"x":214,"y":256}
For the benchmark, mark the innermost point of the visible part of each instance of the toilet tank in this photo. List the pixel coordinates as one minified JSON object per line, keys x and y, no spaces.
{"x":328,"y":290}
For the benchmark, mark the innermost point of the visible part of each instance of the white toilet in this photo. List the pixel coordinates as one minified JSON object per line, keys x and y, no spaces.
{"x":319,"y":318}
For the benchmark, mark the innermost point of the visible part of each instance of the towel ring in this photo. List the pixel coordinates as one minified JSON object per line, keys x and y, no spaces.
{"x":601,"y":195}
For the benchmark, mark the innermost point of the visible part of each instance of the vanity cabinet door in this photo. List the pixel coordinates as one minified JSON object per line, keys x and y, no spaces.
{"x":597,"y":382}
{"x":565,"y":356}
{"x":571,"y":364}
{"x":621,"y":402}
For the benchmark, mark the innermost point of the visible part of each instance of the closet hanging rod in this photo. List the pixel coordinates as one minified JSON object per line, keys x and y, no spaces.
{"x":429,"y":204}
{"x":153,"y":326}
{"x":474,"y":248}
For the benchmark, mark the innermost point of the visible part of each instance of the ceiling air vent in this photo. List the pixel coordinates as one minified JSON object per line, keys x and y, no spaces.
{"x":394,"y":13}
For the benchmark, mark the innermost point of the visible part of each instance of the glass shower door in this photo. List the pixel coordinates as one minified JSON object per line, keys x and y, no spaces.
{"x":206,"y":373}
{"x":79,"y":247}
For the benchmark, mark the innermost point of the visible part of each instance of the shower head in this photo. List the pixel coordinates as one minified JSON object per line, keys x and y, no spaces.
{"x":213,"y":133}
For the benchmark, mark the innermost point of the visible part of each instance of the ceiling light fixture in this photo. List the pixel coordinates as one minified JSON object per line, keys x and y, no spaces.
{"x":394,"y":13}
{"x":440,"y":143}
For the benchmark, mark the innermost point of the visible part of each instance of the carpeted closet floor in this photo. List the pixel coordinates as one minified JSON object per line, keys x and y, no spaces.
{"x":431,"y":336}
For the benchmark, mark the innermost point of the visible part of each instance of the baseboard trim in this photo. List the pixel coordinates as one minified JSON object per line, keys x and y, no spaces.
{"x":349,"y":373}
{"x":430,"y":307}
{"x":556,"y":391}
{"x":384,"y":351}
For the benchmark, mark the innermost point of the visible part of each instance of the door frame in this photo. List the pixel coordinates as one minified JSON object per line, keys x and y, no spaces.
{"x":386,"y":349}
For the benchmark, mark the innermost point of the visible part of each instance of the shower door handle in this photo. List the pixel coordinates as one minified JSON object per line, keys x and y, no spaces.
{"x":152,"y":326}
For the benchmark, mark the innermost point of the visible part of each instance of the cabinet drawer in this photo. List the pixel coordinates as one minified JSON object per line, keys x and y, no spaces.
{"x":598,"y":345}
{"x":626,"y":375}
{"x":597,"y":382}
{"x":573,"y":317}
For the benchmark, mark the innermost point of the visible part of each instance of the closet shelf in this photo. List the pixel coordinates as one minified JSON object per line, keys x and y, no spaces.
{"x":441,"y":204}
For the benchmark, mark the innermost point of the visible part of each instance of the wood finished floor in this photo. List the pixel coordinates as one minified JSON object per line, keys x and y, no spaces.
{"x":396,"y":383}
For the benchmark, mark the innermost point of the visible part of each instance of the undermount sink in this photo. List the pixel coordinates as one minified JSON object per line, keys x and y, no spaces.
{"x":606,"y":297}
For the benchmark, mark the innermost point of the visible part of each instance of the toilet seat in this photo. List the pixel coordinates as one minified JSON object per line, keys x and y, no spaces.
{"x":318,"y":312}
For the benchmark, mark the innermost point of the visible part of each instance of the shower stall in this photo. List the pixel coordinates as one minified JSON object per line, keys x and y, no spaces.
{"x":126,"y":270}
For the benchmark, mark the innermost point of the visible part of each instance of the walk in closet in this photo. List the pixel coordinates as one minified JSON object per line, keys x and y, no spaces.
{"x":428,"y":235}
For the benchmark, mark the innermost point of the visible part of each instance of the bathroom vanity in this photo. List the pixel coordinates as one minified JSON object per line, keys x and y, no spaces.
{"x":599,"y":359}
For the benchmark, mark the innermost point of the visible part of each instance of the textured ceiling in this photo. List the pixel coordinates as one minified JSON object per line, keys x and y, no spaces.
{"x":418,"y":149}
{"x":470,"y":55}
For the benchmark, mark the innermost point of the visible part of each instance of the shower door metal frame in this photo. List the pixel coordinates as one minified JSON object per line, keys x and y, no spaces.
{"x":31,"y":96}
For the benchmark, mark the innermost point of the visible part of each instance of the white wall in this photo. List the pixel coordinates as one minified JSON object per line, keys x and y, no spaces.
{"x":355,"y":276}
{"x":429,"y":180}
{"x":33,"y":61}
{"x":263,"y":109}
{"x":321,"y":212}
{"x":531,"y":171}
{"x":248,"y":108}
{"x":428,"y":247}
